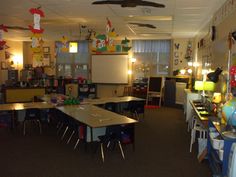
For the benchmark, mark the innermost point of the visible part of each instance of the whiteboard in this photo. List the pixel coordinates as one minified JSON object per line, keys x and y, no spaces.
{"x":110,"y":69}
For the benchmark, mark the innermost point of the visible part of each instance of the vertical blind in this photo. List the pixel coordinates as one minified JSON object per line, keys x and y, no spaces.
{"x":153,"y":57}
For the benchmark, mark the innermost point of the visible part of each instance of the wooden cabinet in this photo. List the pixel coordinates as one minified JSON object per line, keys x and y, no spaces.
{"x":13,"y":95}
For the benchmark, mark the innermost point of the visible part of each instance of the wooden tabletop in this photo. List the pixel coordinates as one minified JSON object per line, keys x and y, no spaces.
{"x":22,"y":106}
{"x":112,"y":99}
{"x":86,"y":113}
{"x":94,"y":116}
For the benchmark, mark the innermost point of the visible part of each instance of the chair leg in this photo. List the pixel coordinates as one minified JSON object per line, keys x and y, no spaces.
{"x":24,"y":128}
{"x":121,"y":150}
{"x":64,"y":132}
{"x":192,"y":139}
{"x":40,"y":126}
{"x":102,"y":152}
{"x":59,"y":129}
{"x":136,"y":115}
{"x":58,"y":124}
{"x":70,"y":137}
{"x":76,"y":144}
{"x":108,"y":144}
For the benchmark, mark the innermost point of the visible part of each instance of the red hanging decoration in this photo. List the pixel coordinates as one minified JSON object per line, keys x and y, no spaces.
{"x":2,"y":42}
{"x":37,"y":15}
{"x":233,"y":76}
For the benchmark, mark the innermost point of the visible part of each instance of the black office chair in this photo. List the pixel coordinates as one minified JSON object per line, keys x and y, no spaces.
{"x":32,"y":115}
{"x":134,"y":109}
{"x":111,"y":106}
{"x":112,"y":136}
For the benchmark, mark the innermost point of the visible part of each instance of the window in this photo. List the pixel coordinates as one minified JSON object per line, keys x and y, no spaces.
{"x":73,"y":65}
{"x":153,"y":57}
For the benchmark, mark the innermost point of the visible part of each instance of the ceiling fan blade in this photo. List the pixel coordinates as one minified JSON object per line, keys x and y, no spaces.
{"x":152,"y":4}
{"x":130,"y":3}
{"x":108,"y":2}
{"x":149,"y":26}
{"x":17,"y":28}
{"x":144,"y":25}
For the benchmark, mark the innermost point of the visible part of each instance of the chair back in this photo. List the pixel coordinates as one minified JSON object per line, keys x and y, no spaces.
{"x":110,"y":106}
{"x":32,"y":113}
{"x":114,"y":131}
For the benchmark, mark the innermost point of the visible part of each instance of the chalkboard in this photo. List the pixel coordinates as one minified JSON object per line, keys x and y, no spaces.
{"x":155,"y":84}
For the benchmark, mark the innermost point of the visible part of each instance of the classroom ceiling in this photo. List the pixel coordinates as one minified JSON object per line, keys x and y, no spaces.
{"x":74,"y":18}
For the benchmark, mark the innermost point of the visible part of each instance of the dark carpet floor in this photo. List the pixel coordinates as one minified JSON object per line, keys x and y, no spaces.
{"x":162,"y":150}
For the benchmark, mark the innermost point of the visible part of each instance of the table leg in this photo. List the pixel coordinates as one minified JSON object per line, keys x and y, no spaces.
{"x":12,"y":120}
{"x":133,"y":137}
{"x":91,"y":134}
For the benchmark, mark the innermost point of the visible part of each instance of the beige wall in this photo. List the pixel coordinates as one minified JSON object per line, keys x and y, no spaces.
{"x":179,"y":54}
{"x":16,"y":49}
{"x":217,"y":51}
{"x":28,"y":55}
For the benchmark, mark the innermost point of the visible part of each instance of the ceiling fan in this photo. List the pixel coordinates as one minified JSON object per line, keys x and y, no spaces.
{"x":17,"y":28}
{"x":130,"y":3}
{"x":144,"y":25}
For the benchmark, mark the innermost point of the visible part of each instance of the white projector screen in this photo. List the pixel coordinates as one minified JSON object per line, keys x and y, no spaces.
{"x":110,"y":69}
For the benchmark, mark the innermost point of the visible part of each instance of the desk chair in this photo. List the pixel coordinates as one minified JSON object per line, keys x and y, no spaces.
{"x":112,"y":135}
{"x":78,"y":130}
{"x":32,"y":115}
{"x":134,"y":109}
{"x":197,"y":127}
{"x":111,"y":106}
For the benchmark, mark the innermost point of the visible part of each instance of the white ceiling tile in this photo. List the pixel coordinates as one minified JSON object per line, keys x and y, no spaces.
{"x":64,"y":16}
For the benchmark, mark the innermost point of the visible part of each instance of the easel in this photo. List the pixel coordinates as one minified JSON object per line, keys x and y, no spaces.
{"x":154,"y":89}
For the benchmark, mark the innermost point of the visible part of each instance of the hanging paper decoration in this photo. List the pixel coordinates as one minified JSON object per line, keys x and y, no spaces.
{"x":233,"y":76}
{"x":106,"y":42}
{"x":37,"y":43}
{"x":37,"y":16}
{"x":125,"y":45}
{"x":188,"y":55}
{"x":36,"y":37}
{"x":65,"y":44}
{"x":2,"y":42}
{"x":101,"y":43}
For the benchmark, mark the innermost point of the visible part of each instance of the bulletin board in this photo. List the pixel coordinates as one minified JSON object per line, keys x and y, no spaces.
{"x":110,"y":69}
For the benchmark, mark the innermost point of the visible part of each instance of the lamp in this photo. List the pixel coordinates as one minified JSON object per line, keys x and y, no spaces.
{"x":204,"y":86}
{"x":209,"y":86}
{"x":214,"y":76}
{"x":198,"y":85}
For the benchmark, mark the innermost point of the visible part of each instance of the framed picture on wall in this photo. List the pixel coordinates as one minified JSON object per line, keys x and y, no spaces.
{"x":46,"y":59}
{"x":46,"y":49}
{"x":3,"y":65}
